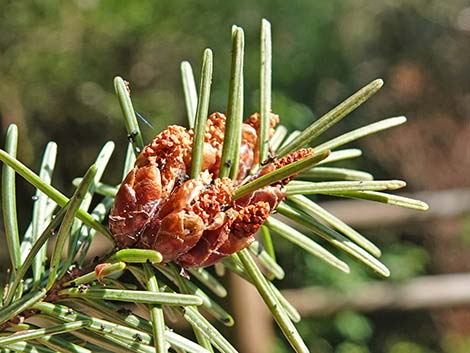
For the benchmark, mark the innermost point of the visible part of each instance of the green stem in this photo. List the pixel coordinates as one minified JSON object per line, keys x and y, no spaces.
{"x":40,"y":216}
{"x":87,"y":234}
{"x":335,"y":238}
{"x":281,"y":317}
{"x":206,"y":278}
{"x":39,"y":243}
{"x":67,"y":314}
{"x":201,"y":114}
{"x":239,"y":102}
{"x":128,"y":161}
{"x":361,"y":132}
{"x":211,"y":306}
{"x":235,"y":265}
{"x":101,"y":162}
{"x":111,"y":311}
{"x":100,"y":188}
{"x":293,"y":313}
{"x":64,"y":229}
{"x":279,"y":174}
{"x":328,"y":173}
{"x":268,"y":242}
{"x":190,"y":93}
{"x":26,"y":302}
{"x":9,"y":201}
{"x":28,"y":347}
{"x":61,"y":345}
{"x":265,"y":260}
{"x":183,"y":343}
{"x":128,"y":113}
{"x":305,"y":243}
{"x":202,"y":339}
{"x":315,"y":210}
{"x":385,"y":198}
{"x":279,"y":135}
{"x":197,"y":320}
{"x":38,"y":333}
{"x":265,"y":90}
{"x":133,"y":296}
{"x":332,"y":117}
{"x":113,"y":343}
{"x":328,"y":187}
{"x":232,"y":135}
{"x":156,"y":312}
{"x":341,"y":155}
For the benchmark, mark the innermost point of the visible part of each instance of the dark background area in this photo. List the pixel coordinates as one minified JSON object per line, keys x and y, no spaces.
{"x":58,"y":59}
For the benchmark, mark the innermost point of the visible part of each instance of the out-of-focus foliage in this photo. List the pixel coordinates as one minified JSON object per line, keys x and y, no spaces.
{"x":57,"y":61}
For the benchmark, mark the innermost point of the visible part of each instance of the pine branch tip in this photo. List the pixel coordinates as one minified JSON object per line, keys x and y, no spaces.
{"x":118,"y":80}
{"x":396,"y":184}
{"x":12,"y":129}
{"x":401,"y":118}
{"x":344,"y":267}
{"x":379,"y":82}
{"x":385,"y":273}
{"x":422,"y":206}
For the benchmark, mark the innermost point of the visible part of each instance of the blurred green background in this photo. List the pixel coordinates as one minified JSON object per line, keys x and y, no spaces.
{"x":58,"y":59}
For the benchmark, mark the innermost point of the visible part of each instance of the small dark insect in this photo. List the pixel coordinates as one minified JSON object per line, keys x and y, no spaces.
{"x":137,"y":337}
{"x":131,"y":137}
{"x":271,"y":158}
{"x":195,"y":222}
